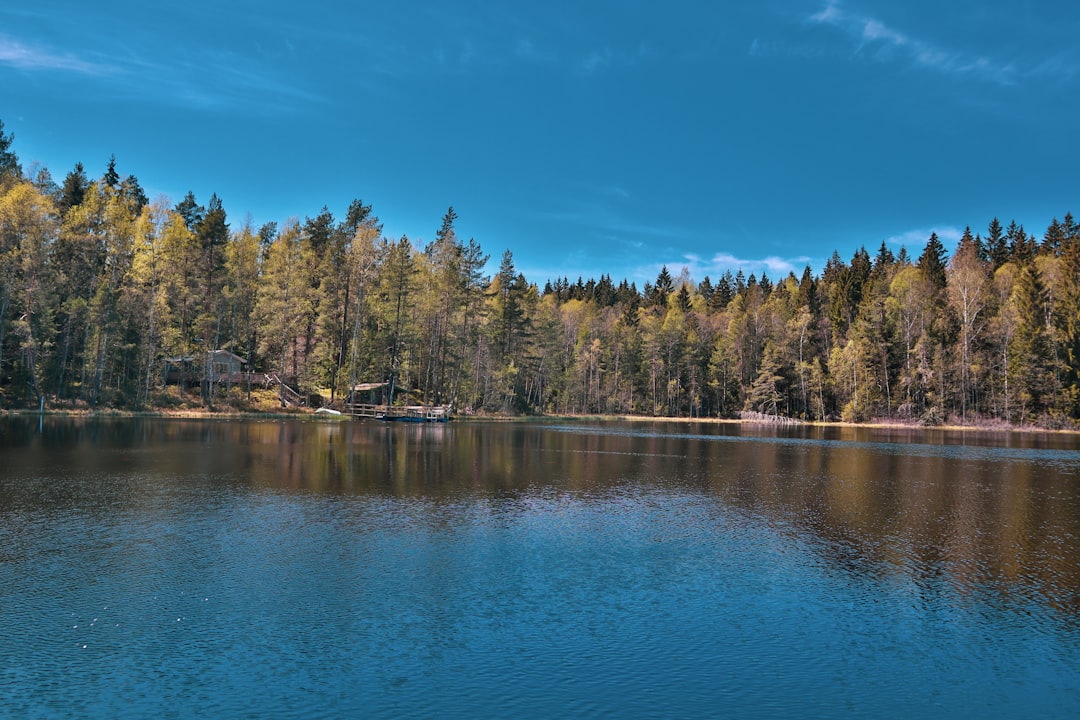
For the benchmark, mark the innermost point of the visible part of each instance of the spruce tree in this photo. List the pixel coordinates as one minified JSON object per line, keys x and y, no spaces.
{"x":9,"y":163}
{"x":933,"y":262}
{"x":1030,"y":352}
{"x":73,"y":191}
{"x":997,"y":248}
{"x":111,"y":178}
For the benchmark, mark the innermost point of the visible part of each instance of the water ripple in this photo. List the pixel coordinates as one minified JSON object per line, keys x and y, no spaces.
{"x":746,"y":583}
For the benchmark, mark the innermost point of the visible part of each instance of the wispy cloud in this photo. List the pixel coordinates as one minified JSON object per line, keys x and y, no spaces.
{"x":29,"y":57}
{"x":596,"y":61}
{"x":600,"y":60}
{"x":777,"y":266}
{"x":215,"y":80}
{"x":874,"y":37}
{"x":698,"y":267}
{"x":915,"y":239}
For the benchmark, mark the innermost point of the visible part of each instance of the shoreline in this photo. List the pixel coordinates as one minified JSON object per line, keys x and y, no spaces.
{"x":202,"y":414}
{"x":874,"y":425}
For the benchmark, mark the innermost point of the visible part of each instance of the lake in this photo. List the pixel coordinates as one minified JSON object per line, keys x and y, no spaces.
{"x":306,"y":569}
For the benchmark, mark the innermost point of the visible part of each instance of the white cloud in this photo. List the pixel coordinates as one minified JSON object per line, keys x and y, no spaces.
{"x":777,"y":268}
{"x":872,"y":34}
{"x":596,"y":61}
{"x":25,"y":57}
{"x":915,"y":240}
{"x":211,"y":80}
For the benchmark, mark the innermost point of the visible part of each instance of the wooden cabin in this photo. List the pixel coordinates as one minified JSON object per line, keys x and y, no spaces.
{"x":225,"y":367}
{"x":369,"y":393}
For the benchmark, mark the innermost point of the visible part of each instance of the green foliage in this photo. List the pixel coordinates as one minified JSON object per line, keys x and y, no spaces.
{"x":9,"y":162}
{"x":102,"y":292}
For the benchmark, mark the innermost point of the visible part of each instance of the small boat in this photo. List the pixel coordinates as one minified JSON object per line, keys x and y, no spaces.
{"x":327,"y":411}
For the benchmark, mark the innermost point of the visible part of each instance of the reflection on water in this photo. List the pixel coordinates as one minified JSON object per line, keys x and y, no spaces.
{"x":301,"y":568}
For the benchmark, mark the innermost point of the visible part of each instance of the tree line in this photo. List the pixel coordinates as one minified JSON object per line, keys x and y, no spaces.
{"x":101,"y":287}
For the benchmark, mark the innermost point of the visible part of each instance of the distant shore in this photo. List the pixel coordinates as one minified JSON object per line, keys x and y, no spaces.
{"x":873,"y":424}
{"x":300,"y":413}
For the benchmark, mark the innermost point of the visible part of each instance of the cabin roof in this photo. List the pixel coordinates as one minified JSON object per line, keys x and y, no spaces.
{"x":215,"y":354}
{"x":364,"y":387}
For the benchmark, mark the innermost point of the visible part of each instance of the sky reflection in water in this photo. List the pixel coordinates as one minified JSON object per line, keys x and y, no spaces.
{"x":298,"y":569}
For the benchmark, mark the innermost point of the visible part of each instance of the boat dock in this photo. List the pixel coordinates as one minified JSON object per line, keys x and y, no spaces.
{"x":400,"y":413}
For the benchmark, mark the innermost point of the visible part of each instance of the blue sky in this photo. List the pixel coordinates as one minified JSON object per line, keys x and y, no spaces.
{"x":587,"y":138}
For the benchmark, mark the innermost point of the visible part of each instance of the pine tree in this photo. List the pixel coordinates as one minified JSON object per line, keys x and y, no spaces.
{"x":397,"y":277}
{"x":1054,"y":239}
{"x":191,"y":211}
{"x":283,"y":303}
{"x":997,"y":248}
{"x":1067,"y":321}
{"x":662,"y":290}
{"x":111,"y":178}
{"x":933,"y":262}
{"x":1030,"y":353}
{"x":9,"y":163}
{"x":134,"y":194}
{"x":883,"y":260}
{"x":212,"y":234}
{"x":1022,"y":248}
{"x":725,"y":292}
{"x":765,"y":394}
{"x":683,"y":299}
{"x":74,"y":188}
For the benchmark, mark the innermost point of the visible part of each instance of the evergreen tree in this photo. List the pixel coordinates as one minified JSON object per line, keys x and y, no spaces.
{"x":604,"y":293}
{"x":447,"y":227}
{"x":705,"y":289}
{"x":724,"y":293}
{"x":212,"y":234}
{"x":1022,"y":248}
{"x":683,"y":299}
{"x":765,"y":394}
{"x":884,"y":260}
{"x":1030,"y":352}
{"x":1054,"y":239}
{"x":933,"y":262}
{"x":808,"y":291}
{"x":9,"y":162}
{"x":240,"y":293}
{"x":511,"y":308}
{"x":397,"y":281}
{"x":318,"y":232}
{"x":144,"y":293}
{"x":283,"y":305}
{"x":190,"y":211}
{"x":74,"y":188}
{"x":134,"y":194}
{"x":997,"y":247}
{"x":662,"y":290}
{"x":111,"y":178}
{"x":324,"y":254}
{"x":1067,"y":321}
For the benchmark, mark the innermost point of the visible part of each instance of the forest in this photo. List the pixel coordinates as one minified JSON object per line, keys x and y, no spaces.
{"x":103,"y":291}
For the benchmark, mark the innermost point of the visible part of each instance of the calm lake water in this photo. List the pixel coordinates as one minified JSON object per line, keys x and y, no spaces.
{"x":305,"y":569}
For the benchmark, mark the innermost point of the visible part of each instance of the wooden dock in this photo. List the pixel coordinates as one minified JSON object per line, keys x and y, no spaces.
{"x":400,"y":413}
